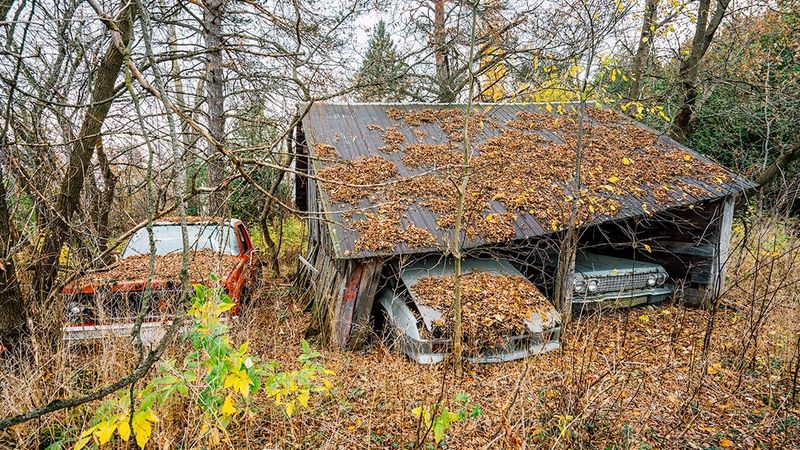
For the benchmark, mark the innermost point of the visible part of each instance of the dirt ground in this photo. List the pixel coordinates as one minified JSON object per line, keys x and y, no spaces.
{"x":631,"y":379}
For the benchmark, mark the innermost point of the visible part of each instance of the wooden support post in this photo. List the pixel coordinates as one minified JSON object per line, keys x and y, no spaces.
{"x":722,"y":244}
{"x":344,"y":316}
{"x":367,"y":289}
{"x":705,"y":294}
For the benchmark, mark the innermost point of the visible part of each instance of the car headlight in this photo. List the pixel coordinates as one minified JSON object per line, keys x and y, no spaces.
{"x":661,"y":278}
{"x":591,"y":285}
{"x":75,"y":311}
{"x":579,"y":285}
{"x":651,"y":280}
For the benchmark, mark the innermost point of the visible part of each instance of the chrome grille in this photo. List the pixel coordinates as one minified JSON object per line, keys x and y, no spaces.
{"x":621,"y":283}
{"x":124,"y":306}
{"x":105,"y":307}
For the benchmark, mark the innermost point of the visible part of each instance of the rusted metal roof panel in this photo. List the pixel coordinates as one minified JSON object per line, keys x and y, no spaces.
{"x":347,"y":128}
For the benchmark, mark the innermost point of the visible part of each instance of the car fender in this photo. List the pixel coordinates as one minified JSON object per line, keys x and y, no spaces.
{"x":399,"y":314}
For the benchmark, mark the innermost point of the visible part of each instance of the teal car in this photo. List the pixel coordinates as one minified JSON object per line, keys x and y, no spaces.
{"x":609,"y":282}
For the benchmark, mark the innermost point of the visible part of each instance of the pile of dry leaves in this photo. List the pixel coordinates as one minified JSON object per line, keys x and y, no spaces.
{"x":192,"y":219}
{"x":350,"y":181}
{"x":167,"y":267}
{"x":494,"y":307}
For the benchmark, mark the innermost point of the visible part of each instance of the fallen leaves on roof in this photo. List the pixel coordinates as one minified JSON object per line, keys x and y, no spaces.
{"x":350,"y":181}
{"x":494,"y":307}
{"x":202,"y":263}
{"x":521,"y":171}
{"x":381,"y":232}
{"x":393,"y":140}
{"x":326,"y":151}
{"x":432,"y":156}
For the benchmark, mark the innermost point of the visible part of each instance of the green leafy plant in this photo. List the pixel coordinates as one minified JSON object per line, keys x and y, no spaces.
{"x":218,"y":378}
{"x":438,"y":418}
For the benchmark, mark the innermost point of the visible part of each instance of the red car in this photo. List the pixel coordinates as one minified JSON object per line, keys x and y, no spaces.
{"x":106,"y":303}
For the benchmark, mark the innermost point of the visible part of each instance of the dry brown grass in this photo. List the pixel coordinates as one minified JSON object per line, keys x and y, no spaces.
{"x":632,"y":379}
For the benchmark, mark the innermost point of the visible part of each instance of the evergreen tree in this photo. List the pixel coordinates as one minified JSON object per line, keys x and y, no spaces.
{"x":382,"y":73}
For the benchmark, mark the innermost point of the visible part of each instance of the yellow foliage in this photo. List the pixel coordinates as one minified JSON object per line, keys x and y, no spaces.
{"x":494,"y":71}
{"x":228,"y":407}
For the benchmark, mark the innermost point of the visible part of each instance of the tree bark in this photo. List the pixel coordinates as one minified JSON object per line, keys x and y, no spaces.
{"x":779,"y":166}
{"x":643,"y":50}
{"x":105,"y":199}
{"x":12,"y":307}
{"x":690,"y":67}
{"x":47,"y":317}
{"x":212,"y":25}
{"x":266,"y":210}
{"x":445,"y":94}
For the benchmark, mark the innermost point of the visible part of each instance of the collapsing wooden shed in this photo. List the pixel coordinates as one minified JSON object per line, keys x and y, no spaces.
{"x":378,"y":182}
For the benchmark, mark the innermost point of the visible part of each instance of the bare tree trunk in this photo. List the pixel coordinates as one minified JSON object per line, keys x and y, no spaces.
{"x":105,"y":200}
{"x":462,"y":190}
{"x":212,"y":24}
{"x":266,"y":210}
{"x":643,"y":50}
{"x":778,"y":167}
{"x":445,"y":94}
{"x":12,"y":307}
{"x":49,"y":318}
{"x":690,"y":67}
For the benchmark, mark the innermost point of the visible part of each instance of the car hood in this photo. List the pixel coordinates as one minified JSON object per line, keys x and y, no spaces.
{"x":439,"y":266}
{"x":590,"y":263}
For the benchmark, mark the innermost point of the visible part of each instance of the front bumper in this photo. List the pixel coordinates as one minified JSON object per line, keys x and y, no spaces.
{"x":151,"y":332}
{"x":425,"y":351}
{"x":610,"y":300}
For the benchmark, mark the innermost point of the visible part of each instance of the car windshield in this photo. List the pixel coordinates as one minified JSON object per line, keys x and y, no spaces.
{"x":219,"y":238}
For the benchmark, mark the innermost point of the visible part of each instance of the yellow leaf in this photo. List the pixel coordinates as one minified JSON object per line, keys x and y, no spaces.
{"x":548,"y":107}
{"x":664,"y":116}
{"x":726,"y":443}
{"x":626,"y":161}
{"x":573,"y":70}
{"x":228,"y":408}
{"x":644,"y":318}
{"x":303,"y":398}
{"x":105,"y":430}
{"x":142,"y":428}
{"x":614,"y":75}
{"x":687,"y":157}
{"x":648,"y":248}
{"x":613,"y":179}
{"x":290,"y":408}
{"x":124,"y":429}
{"x":238,"y":379}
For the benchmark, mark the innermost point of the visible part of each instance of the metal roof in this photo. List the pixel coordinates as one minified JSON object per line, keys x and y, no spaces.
{"x":347,"y":128}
